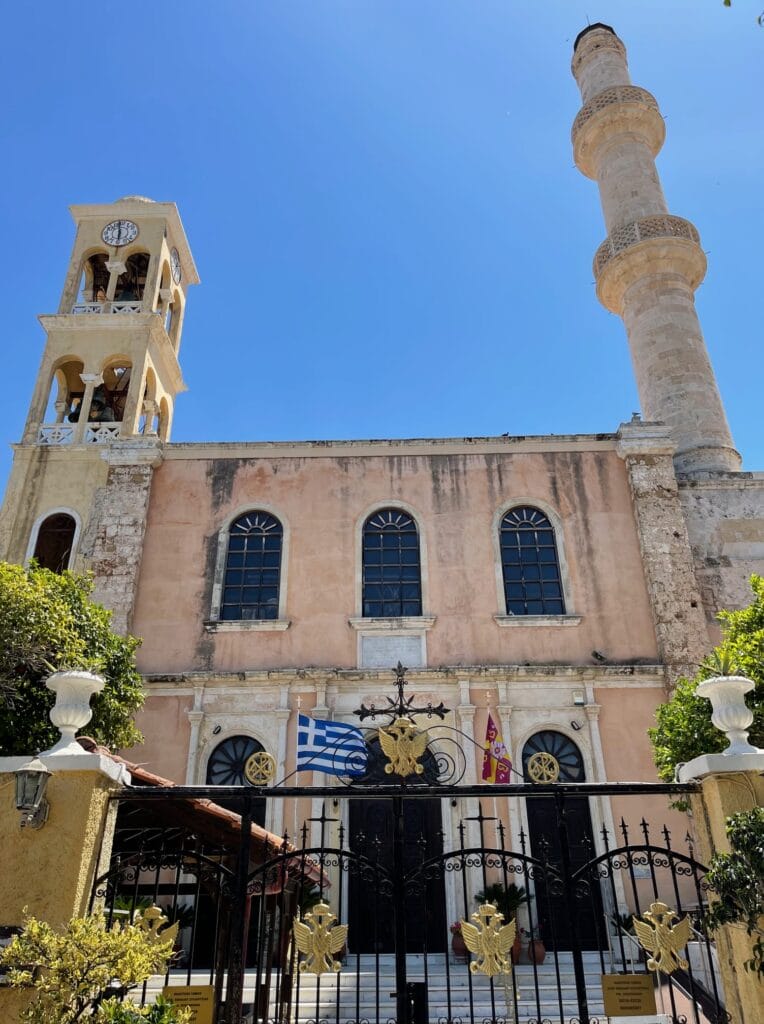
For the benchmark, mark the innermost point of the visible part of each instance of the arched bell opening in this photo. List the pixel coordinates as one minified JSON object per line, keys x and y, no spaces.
{"x":65,"y":392}
{"x":165,"y":419}
{"x":110,"y":396}
{"x":94,"y":278}
{"x":55,"y":541}
{"x":132,"y":281}
{"x":174,"y":320}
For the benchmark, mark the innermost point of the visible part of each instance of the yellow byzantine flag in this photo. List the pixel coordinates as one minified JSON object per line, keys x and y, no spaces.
{"x":496,"y":763}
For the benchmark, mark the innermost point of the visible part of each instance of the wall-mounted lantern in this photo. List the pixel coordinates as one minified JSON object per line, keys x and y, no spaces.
{"x":31,"y":783}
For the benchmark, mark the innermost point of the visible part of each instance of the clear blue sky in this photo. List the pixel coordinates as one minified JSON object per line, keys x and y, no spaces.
{"x":382,"y":203}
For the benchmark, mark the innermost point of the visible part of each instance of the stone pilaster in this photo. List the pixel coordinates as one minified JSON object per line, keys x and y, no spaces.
{"x":667,"y":561}
{"x":651,"y":262}
{"x":113,"y":540}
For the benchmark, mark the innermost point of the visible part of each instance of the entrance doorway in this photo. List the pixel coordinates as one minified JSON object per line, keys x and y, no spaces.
{"x":371,"y":827}
{"x":549,"y":905}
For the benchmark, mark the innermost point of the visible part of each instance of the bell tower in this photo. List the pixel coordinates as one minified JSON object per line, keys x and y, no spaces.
{"x":651,"y":262}
{"x":104,"y":399}
{"x":110,"y":368}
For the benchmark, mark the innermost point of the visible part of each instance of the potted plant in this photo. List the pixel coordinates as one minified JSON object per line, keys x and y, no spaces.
{"x":507,"y":899}
{"x":535,"y":950}
{"x":458,"y":945}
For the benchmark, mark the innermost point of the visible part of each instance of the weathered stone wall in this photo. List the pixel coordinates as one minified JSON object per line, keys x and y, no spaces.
{"x":724,"y":513}
{"x":680,"y":627}
{"x":113,"y":541}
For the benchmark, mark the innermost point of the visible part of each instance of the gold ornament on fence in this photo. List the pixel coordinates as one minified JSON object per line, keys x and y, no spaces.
{"x":151,"y":920}
{"x":657,"y":936}
{"x":318,"y":938}
{"x":543,"y":767}
{"x":489,"y":940}
{"x":260,"y":768}
{"x":404,"y":745}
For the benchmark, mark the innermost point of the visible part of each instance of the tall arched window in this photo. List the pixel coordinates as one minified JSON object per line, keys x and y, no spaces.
{"x":392,"y":581}
{"x":529,"y":563}
{"x":55,"y":537}
{"x":252,"y":568}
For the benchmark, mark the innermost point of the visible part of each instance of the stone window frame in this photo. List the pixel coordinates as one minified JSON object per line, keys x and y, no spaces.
{"x":502,"y":618}
{"x":35,"y":531}
{"x":217,"y":625}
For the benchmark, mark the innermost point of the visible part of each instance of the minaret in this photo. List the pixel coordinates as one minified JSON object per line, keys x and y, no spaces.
{"x":651,"y":262}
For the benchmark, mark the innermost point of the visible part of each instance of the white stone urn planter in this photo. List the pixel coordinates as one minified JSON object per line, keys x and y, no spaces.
{"x":72,"y":709}
{"x":731,"y":715}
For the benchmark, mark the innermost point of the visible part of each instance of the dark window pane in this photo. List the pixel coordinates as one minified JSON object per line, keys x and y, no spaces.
{"x":412,"y":608}
{"x":410,"y":592}
{"x":390,"y":538}
{"x":529,"y":555}
{"x":372,"y":573}
{"x":255,"y":540}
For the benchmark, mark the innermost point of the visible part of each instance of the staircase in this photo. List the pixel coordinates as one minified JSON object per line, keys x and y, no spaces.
{"x":452,"y":991}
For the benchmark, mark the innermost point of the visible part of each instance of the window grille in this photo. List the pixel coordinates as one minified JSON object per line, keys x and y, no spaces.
{"x":392,"y":582}
{"x":529,"y":564}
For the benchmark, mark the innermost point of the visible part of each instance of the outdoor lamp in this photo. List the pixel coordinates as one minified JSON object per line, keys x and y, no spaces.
{"x":31,"y":783}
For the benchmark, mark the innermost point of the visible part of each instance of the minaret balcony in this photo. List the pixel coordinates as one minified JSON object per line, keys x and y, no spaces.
{"x":129,"y":306}
{"x":54,"y":435}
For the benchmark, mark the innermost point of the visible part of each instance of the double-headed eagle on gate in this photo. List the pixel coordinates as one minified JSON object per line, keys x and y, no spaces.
{"x":403,"y":745}
{"x":657,"y":936}
{"x":489,"y":940}
{"x":319,"y":939}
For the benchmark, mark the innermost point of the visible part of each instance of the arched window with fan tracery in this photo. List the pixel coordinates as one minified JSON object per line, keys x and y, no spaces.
{"x":252,"y":576}
{"x":392,"y":576}
{"x":226,"y":767}
{"x":530,"y":563}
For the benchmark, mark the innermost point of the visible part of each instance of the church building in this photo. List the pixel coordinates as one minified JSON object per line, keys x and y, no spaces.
{"x":560,"y":584}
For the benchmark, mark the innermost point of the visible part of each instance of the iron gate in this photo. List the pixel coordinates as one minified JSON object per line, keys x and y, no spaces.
{"x":406,"y":897}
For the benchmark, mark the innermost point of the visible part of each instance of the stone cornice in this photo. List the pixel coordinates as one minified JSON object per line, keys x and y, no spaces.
{"x":383,"y":448}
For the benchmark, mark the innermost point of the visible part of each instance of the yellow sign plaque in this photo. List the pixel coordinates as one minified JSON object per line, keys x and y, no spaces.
{"x":628,"y":995}
{"x":200,"y":999}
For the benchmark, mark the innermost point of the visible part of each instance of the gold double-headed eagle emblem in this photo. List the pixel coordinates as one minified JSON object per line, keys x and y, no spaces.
{"x":404,"y":745}
{"x":319,"y":939}
{"x":155,"y":924}
{"x":657,"y":935}
{"x":490,"y":940}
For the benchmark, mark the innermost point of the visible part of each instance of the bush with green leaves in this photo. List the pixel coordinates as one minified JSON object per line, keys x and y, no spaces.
{"x":112,"y":1011}
{"x":684,"y":728}
{"x":737,"y":879}
{"x":47,"y":623}
{"x":72,"y":970}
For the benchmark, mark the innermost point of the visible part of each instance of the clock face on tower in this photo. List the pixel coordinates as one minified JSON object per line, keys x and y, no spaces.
{"x":175,"y":265}
{"x":119,"y":232}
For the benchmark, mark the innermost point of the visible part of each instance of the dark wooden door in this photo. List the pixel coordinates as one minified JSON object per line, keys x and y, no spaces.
{"x":372,"y":919}
{"x":370,"y":832}
{"x":549,"y":906}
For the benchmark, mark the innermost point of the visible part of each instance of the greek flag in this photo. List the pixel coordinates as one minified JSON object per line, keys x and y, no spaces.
{"x":329,"y":747}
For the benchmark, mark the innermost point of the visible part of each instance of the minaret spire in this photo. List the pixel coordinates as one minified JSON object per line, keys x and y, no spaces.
{"x":651,"y":262}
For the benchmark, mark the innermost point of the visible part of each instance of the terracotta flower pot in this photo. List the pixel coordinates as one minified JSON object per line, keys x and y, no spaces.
{"x":459,"y":948}
{"x":536,"y":951}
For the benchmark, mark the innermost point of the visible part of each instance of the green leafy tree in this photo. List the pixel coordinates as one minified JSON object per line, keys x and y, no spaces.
{"x":48,"y":622}
{"x":72,"y":969}
{"x":737,"y":879}
{"x":684,"y":728}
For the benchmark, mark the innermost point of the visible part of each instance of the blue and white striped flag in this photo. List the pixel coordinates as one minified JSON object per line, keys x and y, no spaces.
{"x":330,"y":747}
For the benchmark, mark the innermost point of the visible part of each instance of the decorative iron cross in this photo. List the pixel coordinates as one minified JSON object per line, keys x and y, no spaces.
{"x":402,"y":706}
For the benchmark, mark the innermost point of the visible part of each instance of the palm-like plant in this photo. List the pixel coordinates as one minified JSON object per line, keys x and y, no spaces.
{"x":506,"y":898}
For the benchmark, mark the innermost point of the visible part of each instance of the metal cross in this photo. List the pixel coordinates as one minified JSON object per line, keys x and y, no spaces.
{"x":402,"y":706}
